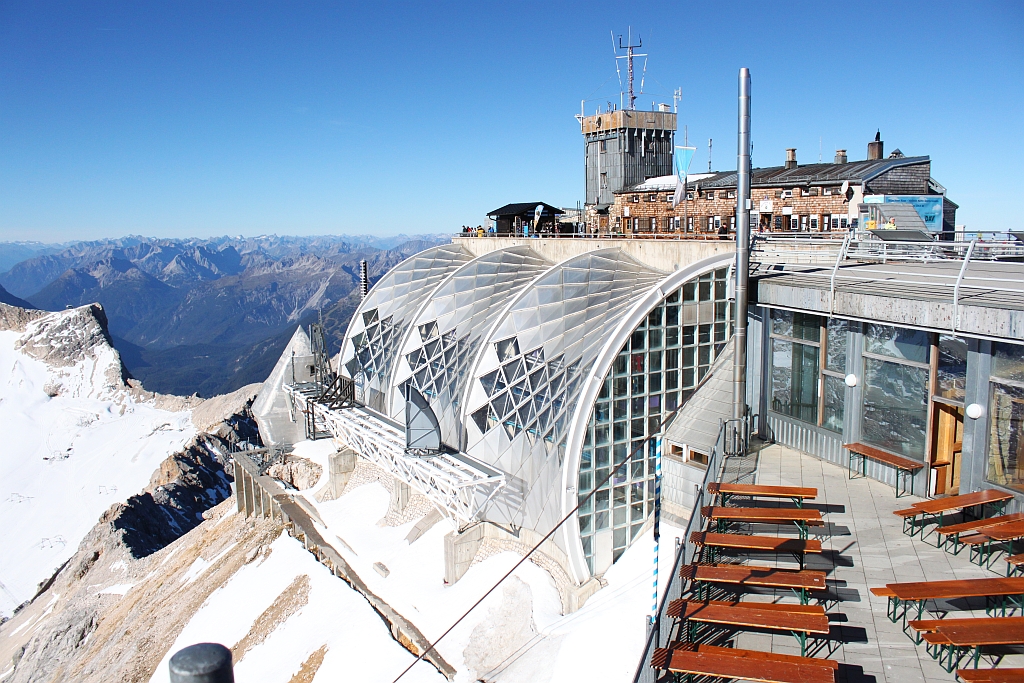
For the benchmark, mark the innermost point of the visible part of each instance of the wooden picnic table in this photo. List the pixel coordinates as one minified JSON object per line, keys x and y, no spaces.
{"x":763,"y":577}
{"x":940,"y":506}
{"x":799,"y":620}
{"x":960,"y":638}
{"x":981,"y":542}
{"x":719,"y":665}
{"x":953,"y":531}
{"x":795,"y":493}
{"x":920,"y":592}
{"x":798,"y":516}
{"x":764,"y":544}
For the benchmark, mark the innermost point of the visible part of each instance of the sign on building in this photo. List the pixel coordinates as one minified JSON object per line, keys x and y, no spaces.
{"x":928,"y":206}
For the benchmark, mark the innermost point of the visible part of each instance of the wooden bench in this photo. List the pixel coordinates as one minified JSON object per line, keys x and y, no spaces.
{"x":798,"y":516}
{"x":758,"y":544}
{"x":795,"y":493}
{"x":940,"y":506}
{"x":734,"y":666}
{"x":1014,"y":563}
{"x":758,"y":577}
{"x":767,"y":656}
{"x":991,"y":675}
{"x":905,"y":467}
{"x":799,"y":620}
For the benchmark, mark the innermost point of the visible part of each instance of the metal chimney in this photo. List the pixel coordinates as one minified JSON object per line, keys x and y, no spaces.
{"x":364,"y":279}
{"x":876,"y":148}
{"x":840,"y":156}
{"x":739,"y":368}
{"x":791,"y":157}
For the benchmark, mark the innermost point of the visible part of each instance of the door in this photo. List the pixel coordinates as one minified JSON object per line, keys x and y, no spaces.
{"x":947,"y":448}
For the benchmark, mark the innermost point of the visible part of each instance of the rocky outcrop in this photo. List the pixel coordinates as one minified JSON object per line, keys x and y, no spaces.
{"x":299,"y":473}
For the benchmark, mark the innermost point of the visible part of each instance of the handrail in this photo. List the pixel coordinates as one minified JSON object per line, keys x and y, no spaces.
{"x":956,"y":288}
{"x":659,"y":629}
{"x":835,"y":269}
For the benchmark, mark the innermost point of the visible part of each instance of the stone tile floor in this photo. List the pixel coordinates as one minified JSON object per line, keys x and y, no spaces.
{"x":864,"y":546}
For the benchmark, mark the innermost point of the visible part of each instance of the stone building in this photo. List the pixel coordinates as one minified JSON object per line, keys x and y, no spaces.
{"x":792,"y":197}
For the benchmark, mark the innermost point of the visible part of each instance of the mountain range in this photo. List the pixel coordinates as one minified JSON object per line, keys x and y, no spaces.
{"x":206,"y":316}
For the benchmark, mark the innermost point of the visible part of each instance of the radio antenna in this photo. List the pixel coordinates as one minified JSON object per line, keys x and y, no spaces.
{"x":629,"y":47}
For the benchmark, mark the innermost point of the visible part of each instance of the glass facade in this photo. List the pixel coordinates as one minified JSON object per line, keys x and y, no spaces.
{"x":660,"y":366}
{"x":808,"y":364}
{"x":895,"y":409}
{"x":1006,"y":416}
{"x":951,"y":376}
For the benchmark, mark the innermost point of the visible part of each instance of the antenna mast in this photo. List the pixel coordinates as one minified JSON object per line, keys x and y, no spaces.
{"x":677,"y":97}
{"x":629,"y":47}
{"x":709,"y":155}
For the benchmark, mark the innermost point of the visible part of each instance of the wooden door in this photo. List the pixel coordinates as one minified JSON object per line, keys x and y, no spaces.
{"x":947,"y":448}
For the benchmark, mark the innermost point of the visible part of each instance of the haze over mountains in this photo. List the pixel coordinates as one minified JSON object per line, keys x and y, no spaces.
{"x":204,"y":315}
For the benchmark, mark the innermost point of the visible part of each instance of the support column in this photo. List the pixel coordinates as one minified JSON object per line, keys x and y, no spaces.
{"x":343,"y":464}
{"x":400,"y":495}
{"x":739,"y":376}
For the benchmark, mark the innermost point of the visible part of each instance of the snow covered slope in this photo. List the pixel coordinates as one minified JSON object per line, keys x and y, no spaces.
{"x":74,"y":439}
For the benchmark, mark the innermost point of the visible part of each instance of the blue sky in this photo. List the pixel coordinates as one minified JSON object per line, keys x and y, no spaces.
{"x":211,"y":118}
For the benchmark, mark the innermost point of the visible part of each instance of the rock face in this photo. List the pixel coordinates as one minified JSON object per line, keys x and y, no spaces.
{"x":298,"y":473}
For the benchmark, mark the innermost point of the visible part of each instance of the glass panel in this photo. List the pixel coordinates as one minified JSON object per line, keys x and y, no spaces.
{"x":835,"y":349}
{"x":896,"y":342}
{"x":795,"y":380}
{"x":952,"y":371}
{"x":895,"y":407}
{"x":835,"y":391}
{"x":1008,"y":361}
{"x":796,"y":325}
{"x":1006,"y":436}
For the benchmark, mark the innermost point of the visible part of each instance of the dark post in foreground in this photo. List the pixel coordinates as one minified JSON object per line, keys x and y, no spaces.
{"x":202,"y":663}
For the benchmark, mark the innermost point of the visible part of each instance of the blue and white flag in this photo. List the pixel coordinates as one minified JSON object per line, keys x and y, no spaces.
{"x":683,"y":157}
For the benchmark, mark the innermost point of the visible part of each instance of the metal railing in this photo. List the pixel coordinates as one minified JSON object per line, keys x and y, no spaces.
{"x":733,"y":435}
{"x":863,"y":245}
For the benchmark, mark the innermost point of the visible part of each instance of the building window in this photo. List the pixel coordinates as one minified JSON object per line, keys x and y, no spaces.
{"x":709,"y":195}
{"x":689,"y":196}
{"x":657,"y":370}
{"x":652,"y":197}
{"x":636,"y":198}
{"x":794,"y":223}
{"x":814,"y":223}
{"x":604,"y":146}
{"x":895,"y":405}
{"x":1006,"y":416}
{"x":604,"y":181}
{"x":731,"y":194}
{"x":808,"y":356}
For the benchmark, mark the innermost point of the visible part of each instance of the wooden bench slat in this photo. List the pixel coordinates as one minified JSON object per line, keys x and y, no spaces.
{"x":988,"y":631}
{"x":759,"y":576}
{"x":931,"y":625}
{"x":730,"y":666}
{"x":759,"y":491}
{"x":1006,"y":532}
{"x":761,"y":606}
{"x":882,"y":592}
{"x":1016,"y":560}
{"x":878,"y":454}
{"x":766,"y":656}
{"x":760,"y":543}
{"x":991,"y":675}
{"x":764,"y":515}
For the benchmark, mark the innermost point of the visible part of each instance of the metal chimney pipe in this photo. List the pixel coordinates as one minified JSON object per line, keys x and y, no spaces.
{"x":364,"y":279}
{"x":739,"y":368}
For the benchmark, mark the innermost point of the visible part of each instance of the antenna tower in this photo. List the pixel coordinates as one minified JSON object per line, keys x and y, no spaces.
{"x":677,"y":97}
{"x":629,"y":47}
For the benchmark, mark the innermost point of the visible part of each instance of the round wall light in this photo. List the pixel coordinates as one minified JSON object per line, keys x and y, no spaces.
{"x":975,"y":410}
{"x":851,"y":380}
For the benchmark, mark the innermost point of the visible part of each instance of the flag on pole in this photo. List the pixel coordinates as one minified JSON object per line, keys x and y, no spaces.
{"x":683,"y":157}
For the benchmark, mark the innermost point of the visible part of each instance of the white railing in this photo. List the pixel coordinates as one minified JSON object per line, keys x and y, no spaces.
{"x":456,"y":483}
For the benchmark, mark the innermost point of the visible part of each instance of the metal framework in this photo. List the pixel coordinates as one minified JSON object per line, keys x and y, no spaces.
{"x":457,"y":483}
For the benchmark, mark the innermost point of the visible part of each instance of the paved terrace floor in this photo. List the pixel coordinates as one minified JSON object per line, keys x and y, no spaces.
{"x":864,"y":546}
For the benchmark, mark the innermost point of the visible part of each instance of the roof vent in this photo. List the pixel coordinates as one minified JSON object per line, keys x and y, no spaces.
{"x":840,"y":156}
{"x":876,"y":148}
{"x":897,"y":154}
{"x":791,"y":157}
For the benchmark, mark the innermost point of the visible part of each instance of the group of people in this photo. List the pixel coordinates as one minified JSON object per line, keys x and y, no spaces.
{"x":478,"y":230}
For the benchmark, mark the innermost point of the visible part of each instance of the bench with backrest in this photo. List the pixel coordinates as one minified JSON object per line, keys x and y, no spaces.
{"x":930,"y":509}
{"x":741,"y":665}
{"x":905,"y":467}
{"x":991,"y":675}
{"x":799,"y":620}
{"x":744,"y":576}
{"x":800,"y":517}
{"x":756,"y":544}
{"x":798,"y":494}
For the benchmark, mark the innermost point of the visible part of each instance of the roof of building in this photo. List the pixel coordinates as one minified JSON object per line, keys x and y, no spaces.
{"x":802,"y":176}
{"x":522,"y":209}
{"x":989,"y":294}
{"x":664,"y":183}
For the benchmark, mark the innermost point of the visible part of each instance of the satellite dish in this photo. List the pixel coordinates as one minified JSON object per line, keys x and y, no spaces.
{"x":846,"y":186}
{"x":422,"y":431}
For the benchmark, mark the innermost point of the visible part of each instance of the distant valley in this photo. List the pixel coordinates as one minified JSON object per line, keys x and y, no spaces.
{"x":204,"y":316}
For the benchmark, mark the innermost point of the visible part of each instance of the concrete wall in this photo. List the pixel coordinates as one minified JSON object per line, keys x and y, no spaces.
{"x":667,"y":255}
